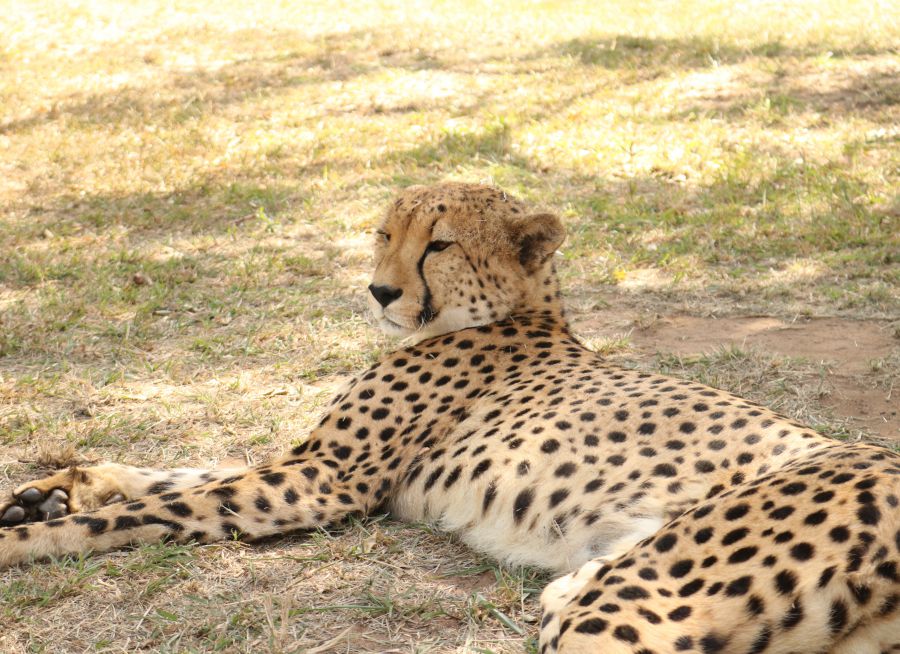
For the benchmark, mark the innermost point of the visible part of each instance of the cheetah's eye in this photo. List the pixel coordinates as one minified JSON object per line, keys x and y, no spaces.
{"x":383,"y":236}
{"x":438,"y":246}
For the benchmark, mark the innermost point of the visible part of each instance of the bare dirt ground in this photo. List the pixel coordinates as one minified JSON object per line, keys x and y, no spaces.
{"x":851,"y":354}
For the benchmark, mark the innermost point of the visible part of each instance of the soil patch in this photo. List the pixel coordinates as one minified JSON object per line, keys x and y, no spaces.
{"x":848,"y":348}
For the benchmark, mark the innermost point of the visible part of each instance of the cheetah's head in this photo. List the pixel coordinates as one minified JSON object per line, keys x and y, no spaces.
{"x":453,"y":255}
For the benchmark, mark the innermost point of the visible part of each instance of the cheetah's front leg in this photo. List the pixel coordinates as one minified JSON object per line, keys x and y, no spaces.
{"x":78,"y":489}
{"x":295,"y":493}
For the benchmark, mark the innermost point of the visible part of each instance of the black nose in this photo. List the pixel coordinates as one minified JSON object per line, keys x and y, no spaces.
{"x":385,"y":294}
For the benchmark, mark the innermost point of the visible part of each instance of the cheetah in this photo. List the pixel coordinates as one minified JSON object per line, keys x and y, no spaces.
{"x":682,"y":518}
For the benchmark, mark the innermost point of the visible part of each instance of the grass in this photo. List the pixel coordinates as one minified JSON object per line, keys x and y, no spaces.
{"x":185,"y":197}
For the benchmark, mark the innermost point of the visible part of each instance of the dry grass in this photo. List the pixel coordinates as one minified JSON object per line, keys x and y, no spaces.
{"x":185,"y":191}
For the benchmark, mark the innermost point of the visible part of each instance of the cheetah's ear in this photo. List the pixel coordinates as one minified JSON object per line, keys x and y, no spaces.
{"x":537,"y":237}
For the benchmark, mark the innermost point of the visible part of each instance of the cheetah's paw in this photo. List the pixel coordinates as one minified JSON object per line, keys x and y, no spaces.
{"x":52,"y":497}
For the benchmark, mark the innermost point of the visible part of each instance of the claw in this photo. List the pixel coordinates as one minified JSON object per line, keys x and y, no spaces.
{"x":13,"y":515}
{"x":118,"y":497}
{"x":30,"y":496}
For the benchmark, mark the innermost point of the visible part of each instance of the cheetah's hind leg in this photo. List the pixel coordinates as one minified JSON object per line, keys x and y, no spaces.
{"x":557,"y":596}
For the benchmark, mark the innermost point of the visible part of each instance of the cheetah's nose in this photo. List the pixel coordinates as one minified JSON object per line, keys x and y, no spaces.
{"x":385,"y":294}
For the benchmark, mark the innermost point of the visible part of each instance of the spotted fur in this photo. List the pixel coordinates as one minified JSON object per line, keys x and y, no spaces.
{"x":688,"y":519}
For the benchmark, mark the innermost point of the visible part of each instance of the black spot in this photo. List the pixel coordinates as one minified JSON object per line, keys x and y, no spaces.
{"x":664,"y":470}
{"x":632,"y":592}
{"x":794,"y":488}
{"x":95,"y":525}
{"x":737,"y":512}
{"x":816,"y":518}
{"x":837,"y":618}
{"x":703,"y":511}
{"x":565,"y":470}
{"x":861,"y":593}
{"x":755,"y":605}
{"x":761,"y":643}
{"x":839,"y":534}
{"x":481,"y":468}
{"x":802,"y":551}
{"x":743,"y":554}
{"x":168,"y":524}
{"x":679,"y":614}
{"x":888,"y":570}
{"x":626,"y":633}
{"x":665,"y":542}
{"x":739,"y":586}
{"x":889,"y":605}
{"x":126,"y":522}
{"x":734,"y":536}
{"x":649,"y":616}
{"x":589,"y":598}
{"x":826,"y":576}
{"x":159,"y":487}
{"x":273,"y":478}
{"x":179,"y":508}
{"x":781,"y":513}
{"x":691,"y":587}
{"x":453,"y":477}
{"x":869,"y":514}
{"x":592,"y":626}
{"x":558,"y":496}
{"x":712,"y":644}
{"x":794,"y":615}
{"x":433,"y":477}
{"x":593,"y":485}
{"x":343,"y":453}
{"x":521,"y":504}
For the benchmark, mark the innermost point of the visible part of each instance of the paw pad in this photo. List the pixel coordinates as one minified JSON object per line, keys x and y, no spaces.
{"x":32,"y":505}
{"x":12,"y":516}
{"x":30,"y":496}
{"x":56,"y":505}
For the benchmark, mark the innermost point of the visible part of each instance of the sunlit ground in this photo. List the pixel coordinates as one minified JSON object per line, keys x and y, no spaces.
{"x":186,"y":194}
